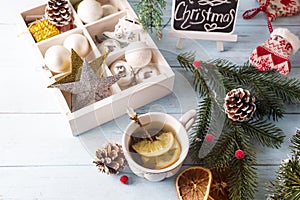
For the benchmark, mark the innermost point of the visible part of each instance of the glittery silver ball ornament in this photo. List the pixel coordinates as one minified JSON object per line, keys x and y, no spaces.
{"x":121,"y":66}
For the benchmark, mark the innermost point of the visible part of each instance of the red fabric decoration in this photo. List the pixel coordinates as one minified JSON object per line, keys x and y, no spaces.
{"x":274,"y":54}
{"x":281,"y":8}
{"x":249,"y":14}
{"x":274,"y":9}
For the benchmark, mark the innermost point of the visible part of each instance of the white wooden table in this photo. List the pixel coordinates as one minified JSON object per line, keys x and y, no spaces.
{"x":39,"y":157}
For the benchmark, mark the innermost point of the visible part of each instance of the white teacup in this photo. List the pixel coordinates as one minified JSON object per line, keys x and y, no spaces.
{"x":180,"y":128}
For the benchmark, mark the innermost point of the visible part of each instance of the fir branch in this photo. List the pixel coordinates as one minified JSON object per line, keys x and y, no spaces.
{"x":200,"y":84}
{"x":242,"y":177}
{"x":248,"y":77}
{"x":271,"y":91}
{"x":287,"y":184}
{"x":231,"y":73}
{"x":224,"y":149}
{"x":267,"y":103}
{"x":266,"y":133}
{"x":186,"y":61}
{"x":287,"y":89}
{"x":200,"y":127}
{"x":295,"y":147}
{"x":150,"y":14}
{"x":214,"y":81}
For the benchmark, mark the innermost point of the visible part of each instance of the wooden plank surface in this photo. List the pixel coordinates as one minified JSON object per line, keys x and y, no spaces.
{"x":84,"y":182}
{"x":39,"y":157}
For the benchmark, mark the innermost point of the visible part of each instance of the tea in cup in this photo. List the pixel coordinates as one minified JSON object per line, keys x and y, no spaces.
{"x":162,"y":155}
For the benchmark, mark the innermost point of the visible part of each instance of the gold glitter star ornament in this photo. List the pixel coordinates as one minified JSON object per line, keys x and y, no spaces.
{"x":89,"y":88}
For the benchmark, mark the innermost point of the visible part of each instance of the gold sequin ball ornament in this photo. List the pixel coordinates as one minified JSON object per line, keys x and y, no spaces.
{"x":42,"y":30}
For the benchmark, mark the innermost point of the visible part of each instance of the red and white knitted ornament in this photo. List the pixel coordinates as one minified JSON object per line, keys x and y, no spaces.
{"x":280,"y":8}
{"x":274,"y":9}
{"x":274,"y":54}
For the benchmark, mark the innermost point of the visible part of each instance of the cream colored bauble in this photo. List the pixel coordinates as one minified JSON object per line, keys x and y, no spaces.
{"x":146,"y":73}
{"x":138,"y":54}
{"x":89,"y":11}
{"x":58,"y":59}
{"x":108,"y":46}
{"x":78,"y":43}
{"x":109,"y":9}
{"x":120,"y":66}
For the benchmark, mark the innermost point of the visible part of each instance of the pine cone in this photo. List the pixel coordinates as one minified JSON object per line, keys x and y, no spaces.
{"x":110,"y":159}
{"x":239,"y":104}
{"x":59,"y":13}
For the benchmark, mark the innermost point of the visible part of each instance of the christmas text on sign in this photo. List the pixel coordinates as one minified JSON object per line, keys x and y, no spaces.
{"x":188,"y":16}
{"x":204,"y":19}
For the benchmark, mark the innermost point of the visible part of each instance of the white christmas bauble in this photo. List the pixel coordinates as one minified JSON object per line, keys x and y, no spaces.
{"x":108,"y":46}
{"x":138,"y":54}
{"x":121,"y":66}
{"x":58,"y":59}
{"x":78,"y":43}
{"x":109,"y":9}
{"x":89,"y":11}
{"x":146,"y":72}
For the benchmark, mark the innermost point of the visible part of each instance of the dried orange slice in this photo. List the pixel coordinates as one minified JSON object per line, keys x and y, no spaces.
{"x":194,"y":183}
{"x":219,"y":187}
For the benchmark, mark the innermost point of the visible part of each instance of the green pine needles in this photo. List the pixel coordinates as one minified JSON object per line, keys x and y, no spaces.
{"x":287,"y":184}
{"x":150,"y":14}
{"x":272,"y":91}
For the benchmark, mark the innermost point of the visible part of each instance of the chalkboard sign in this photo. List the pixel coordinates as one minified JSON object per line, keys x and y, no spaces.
{"x":204,"y":15}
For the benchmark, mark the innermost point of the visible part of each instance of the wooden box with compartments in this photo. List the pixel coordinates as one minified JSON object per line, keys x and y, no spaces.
{"x":142,"y":83}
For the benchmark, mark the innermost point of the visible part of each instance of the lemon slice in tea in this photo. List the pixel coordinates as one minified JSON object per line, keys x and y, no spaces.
{"x":168,"y":158}
{"x":164,"y":160}
{"x":161,"y":145}
{"x":194,"y":183}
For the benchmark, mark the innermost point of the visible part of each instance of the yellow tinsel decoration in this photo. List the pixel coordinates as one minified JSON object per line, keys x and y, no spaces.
{"x":42,"y":30}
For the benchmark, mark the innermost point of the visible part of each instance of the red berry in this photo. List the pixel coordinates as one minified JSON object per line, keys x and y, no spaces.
{"x":209,"y":137}
{"x":124,"y":179}
{"x":239,"y":154}
{"x":197,"y":63}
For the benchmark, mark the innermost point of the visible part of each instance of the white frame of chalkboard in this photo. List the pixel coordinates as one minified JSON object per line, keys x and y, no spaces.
{"x":219,"y":37}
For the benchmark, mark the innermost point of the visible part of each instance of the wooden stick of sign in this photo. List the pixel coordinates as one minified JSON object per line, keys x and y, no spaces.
{"x":204,"y":19}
